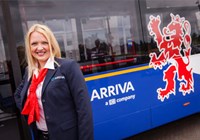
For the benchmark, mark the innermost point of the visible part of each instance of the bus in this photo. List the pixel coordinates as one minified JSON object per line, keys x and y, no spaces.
{"x":139,"y":57}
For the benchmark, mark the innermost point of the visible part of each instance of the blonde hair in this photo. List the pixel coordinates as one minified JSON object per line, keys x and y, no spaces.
{"x":53,"y":44}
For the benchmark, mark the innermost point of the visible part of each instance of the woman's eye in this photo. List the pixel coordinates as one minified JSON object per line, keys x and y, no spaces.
{"x":45,"y":43}
{"x":33,"y":44}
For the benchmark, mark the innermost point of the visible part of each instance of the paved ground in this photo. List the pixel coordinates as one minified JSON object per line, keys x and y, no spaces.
{"x":185,"y":129}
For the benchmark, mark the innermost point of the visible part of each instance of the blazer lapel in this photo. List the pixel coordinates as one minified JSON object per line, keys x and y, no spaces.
{"x":49,"y":75}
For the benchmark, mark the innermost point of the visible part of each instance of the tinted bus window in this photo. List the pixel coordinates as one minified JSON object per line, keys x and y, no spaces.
{"x":100,"y":35}
{"x":187,"y":10}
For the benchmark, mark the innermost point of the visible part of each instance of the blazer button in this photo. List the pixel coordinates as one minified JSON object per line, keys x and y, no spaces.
{"x":43,"y":100}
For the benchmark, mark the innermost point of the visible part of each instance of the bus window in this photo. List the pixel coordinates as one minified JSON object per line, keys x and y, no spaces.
{"x":111,"y":42}
{"x":114,"y":26}
{"x":189,"y":10}
{"x":7,"y":104}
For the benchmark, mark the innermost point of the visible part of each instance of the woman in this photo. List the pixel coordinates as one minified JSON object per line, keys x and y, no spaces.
{"x":53,"y":95}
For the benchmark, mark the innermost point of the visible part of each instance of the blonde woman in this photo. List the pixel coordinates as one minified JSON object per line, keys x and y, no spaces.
{"x":53,"y":95}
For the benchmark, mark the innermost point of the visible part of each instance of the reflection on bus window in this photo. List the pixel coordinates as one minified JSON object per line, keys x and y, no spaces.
{"x":3,"y":63}
{"x":109,"y":43}
{"x":193,"y":17}
{"x":120,"y":28}
{"x":115,"y":29}
{"x":7,"y":104}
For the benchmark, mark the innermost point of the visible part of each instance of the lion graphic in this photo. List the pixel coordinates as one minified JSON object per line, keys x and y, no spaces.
{"x":174,"y":45}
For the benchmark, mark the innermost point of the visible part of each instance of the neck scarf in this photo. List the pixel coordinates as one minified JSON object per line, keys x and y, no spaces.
{"x":31,"y":107}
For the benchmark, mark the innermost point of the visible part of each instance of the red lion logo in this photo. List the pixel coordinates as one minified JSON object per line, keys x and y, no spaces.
{"x":173,"y":43}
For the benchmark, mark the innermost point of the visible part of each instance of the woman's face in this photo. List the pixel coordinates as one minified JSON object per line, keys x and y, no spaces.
{"x":40,"y":48}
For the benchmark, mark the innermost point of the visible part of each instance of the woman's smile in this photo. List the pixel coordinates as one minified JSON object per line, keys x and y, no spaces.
{"x":40,"y":48}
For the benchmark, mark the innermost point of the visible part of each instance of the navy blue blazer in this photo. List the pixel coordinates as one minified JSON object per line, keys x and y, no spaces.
{"x":65,"y":100}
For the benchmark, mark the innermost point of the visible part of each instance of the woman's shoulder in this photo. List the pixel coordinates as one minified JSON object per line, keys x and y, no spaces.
{"x":68,"y":65}
{"x":65,"y":62}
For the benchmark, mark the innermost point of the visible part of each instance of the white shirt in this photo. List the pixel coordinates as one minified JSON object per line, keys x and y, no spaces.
{"x":41,"y":124}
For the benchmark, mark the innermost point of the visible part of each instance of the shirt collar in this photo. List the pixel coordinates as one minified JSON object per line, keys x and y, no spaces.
{"x":50,"y":64}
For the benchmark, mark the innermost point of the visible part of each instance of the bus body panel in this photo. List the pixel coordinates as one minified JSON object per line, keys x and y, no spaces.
{"x":179,"y":108}
{"x":123,"y":126}
{"x":127,"y":103}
